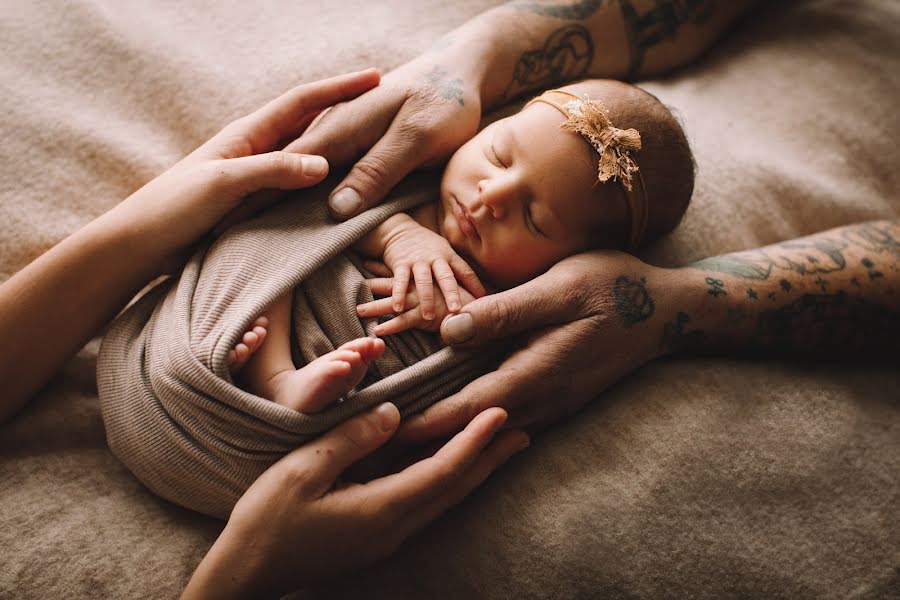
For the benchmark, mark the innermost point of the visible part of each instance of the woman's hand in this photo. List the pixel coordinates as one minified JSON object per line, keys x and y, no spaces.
{"x":588,"y":321}
{"x":174,"y":210}
{"x":58,"y":302}
{"x":297,"y":524}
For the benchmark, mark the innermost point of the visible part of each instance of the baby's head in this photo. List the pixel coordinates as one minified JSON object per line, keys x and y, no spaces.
{"x":525,"y":193}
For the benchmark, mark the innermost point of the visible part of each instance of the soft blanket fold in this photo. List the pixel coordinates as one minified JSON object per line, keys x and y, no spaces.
{"x":173,"y":414}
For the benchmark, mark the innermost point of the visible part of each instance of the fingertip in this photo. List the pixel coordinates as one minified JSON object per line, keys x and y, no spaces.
{"x":388,"y":416}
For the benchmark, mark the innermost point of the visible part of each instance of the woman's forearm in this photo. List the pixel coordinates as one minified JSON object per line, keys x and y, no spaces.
{"x":832,"y":294}
{"x":529,"y":45}
{"x":57,"y":303}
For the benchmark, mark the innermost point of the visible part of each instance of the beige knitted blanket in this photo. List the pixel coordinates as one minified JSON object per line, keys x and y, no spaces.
{"x":173,"y":414}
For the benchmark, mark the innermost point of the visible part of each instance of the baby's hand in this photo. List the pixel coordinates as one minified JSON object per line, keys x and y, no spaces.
{"x":429,"y":257}
{"x":412,"y":318}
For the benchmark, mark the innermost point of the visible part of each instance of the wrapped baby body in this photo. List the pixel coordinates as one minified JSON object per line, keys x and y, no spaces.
{"x":172,"y":412}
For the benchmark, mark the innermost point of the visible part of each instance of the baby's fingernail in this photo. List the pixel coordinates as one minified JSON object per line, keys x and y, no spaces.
{"x":454,"y":306}
{"x":360,"y":310}
{"x":346,"y":201}
{"x":428,"y":316}
{"x":398,"y":307}
{"x":459,"y":328}
{"x":315,"y":166}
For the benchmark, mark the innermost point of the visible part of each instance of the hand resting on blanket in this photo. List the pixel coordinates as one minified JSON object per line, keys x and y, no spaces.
{"x":595,"y":317}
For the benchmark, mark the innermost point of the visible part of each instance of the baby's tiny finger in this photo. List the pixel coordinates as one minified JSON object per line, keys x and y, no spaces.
{"x":376,"y":308}
{"x":401,"y":283}
{"x":424,"y":288}
{"x":447,"y":282}
{"x":467,"y":277}
{"x":399,"y":323}
{"x":381,"y":286}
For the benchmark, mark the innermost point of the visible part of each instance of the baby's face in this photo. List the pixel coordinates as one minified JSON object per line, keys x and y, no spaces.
{"x":520,"y":196}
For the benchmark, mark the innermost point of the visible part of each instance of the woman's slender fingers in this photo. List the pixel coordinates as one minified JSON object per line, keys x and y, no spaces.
{"x":446,"y":280}
{"x":326,"y":458}
{"x":417,"y":485}
{"x":424,"y":288}
{"x":284,"y":116}
{"x":411,"y":319}
{"x":506,"y":387}
{"x":500,"y":450}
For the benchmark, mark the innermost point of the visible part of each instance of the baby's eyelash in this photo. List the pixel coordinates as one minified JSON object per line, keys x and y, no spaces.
{"x":496,"y":156}
{"x":529,"y":218}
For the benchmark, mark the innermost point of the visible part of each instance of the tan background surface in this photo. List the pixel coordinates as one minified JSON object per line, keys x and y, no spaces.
{"x":703,"y":478}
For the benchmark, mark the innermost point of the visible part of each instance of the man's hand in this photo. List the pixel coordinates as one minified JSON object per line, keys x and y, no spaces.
{"x":417,"y":117}
{"x":592,"y":319}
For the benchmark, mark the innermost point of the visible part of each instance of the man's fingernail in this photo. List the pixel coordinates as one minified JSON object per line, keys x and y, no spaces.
{"x":386,"y":416}
{"x":459,"y":328}
{"x":346,"y":202}
{"x":315,"y":166}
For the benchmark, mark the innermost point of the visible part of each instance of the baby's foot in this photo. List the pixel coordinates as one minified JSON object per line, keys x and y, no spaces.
{"x":249,"y":344}
{"x":326,"y":379}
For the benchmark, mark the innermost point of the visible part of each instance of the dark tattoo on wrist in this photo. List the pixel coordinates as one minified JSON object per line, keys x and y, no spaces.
{"x":448,"y":89}
{"x":633,"y":301}
{"x":569,"y":10}
{"x":567,"y":55}
{"x":676,"y":340}
{"x":785,"y":285}
{"x":716,"y":287}
{"x":751,"y":293}
{"x":823,"y":255}
{"x":659,"y":23}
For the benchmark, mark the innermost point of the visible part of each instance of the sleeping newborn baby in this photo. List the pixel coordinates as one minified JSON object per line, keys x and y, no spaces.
{"x":597,"y":164}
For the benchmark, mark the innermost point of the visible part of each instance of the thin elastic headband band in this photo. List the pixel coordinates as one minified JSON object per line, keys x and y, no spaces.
{"x":590,"y":119}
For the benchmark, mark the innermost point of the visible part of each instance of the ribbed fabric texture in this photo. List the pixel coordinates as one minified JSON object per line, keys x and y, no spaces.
{"x":173,"y":414}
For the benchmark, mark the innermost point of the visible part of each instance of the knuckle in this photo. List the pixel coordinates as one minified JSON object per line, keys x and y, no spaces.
{"x":500,"y":315}
{"x":371,"y":170}
{"x":280,"y":163}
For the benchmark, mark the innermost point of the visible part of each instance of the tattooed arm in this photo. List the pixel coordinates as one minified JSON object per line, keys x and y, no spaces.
{"x":832,"y":294}
{"x":595,"y":317}
{"x":429,"y":107}
{"x":539,"y":44}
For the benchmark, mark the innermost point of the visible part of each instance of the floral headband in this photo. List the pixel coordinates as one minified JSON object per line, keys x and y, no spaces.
{"x":590,"y":118}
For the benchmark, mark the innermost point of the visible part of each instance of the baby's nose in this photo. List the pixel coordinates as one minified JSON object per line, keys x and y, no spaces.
{"x":497,"y":195}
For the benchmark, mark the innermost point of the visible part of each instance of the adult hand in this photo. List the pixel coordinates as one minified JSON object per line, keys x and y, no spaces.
{"x":589,"y":320}
{"x":186,"y":201}
{"x":417,"y":117}
{"x":297,"y":524}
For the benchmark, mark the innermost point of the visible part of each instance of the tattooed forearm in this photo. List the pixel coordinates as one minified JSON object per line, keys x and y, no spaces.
{"x":661,"y":22}
{"x":564,"y":10}
{"x":834,"y":294}
{"x":805,"y":258}
{"x":566,"y":55}
{"x":444,"y":86}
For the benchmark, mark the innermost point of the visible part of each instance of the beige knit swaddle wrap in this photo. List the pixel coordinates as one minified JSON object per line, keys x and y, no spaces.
{"x":173,"y":414}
